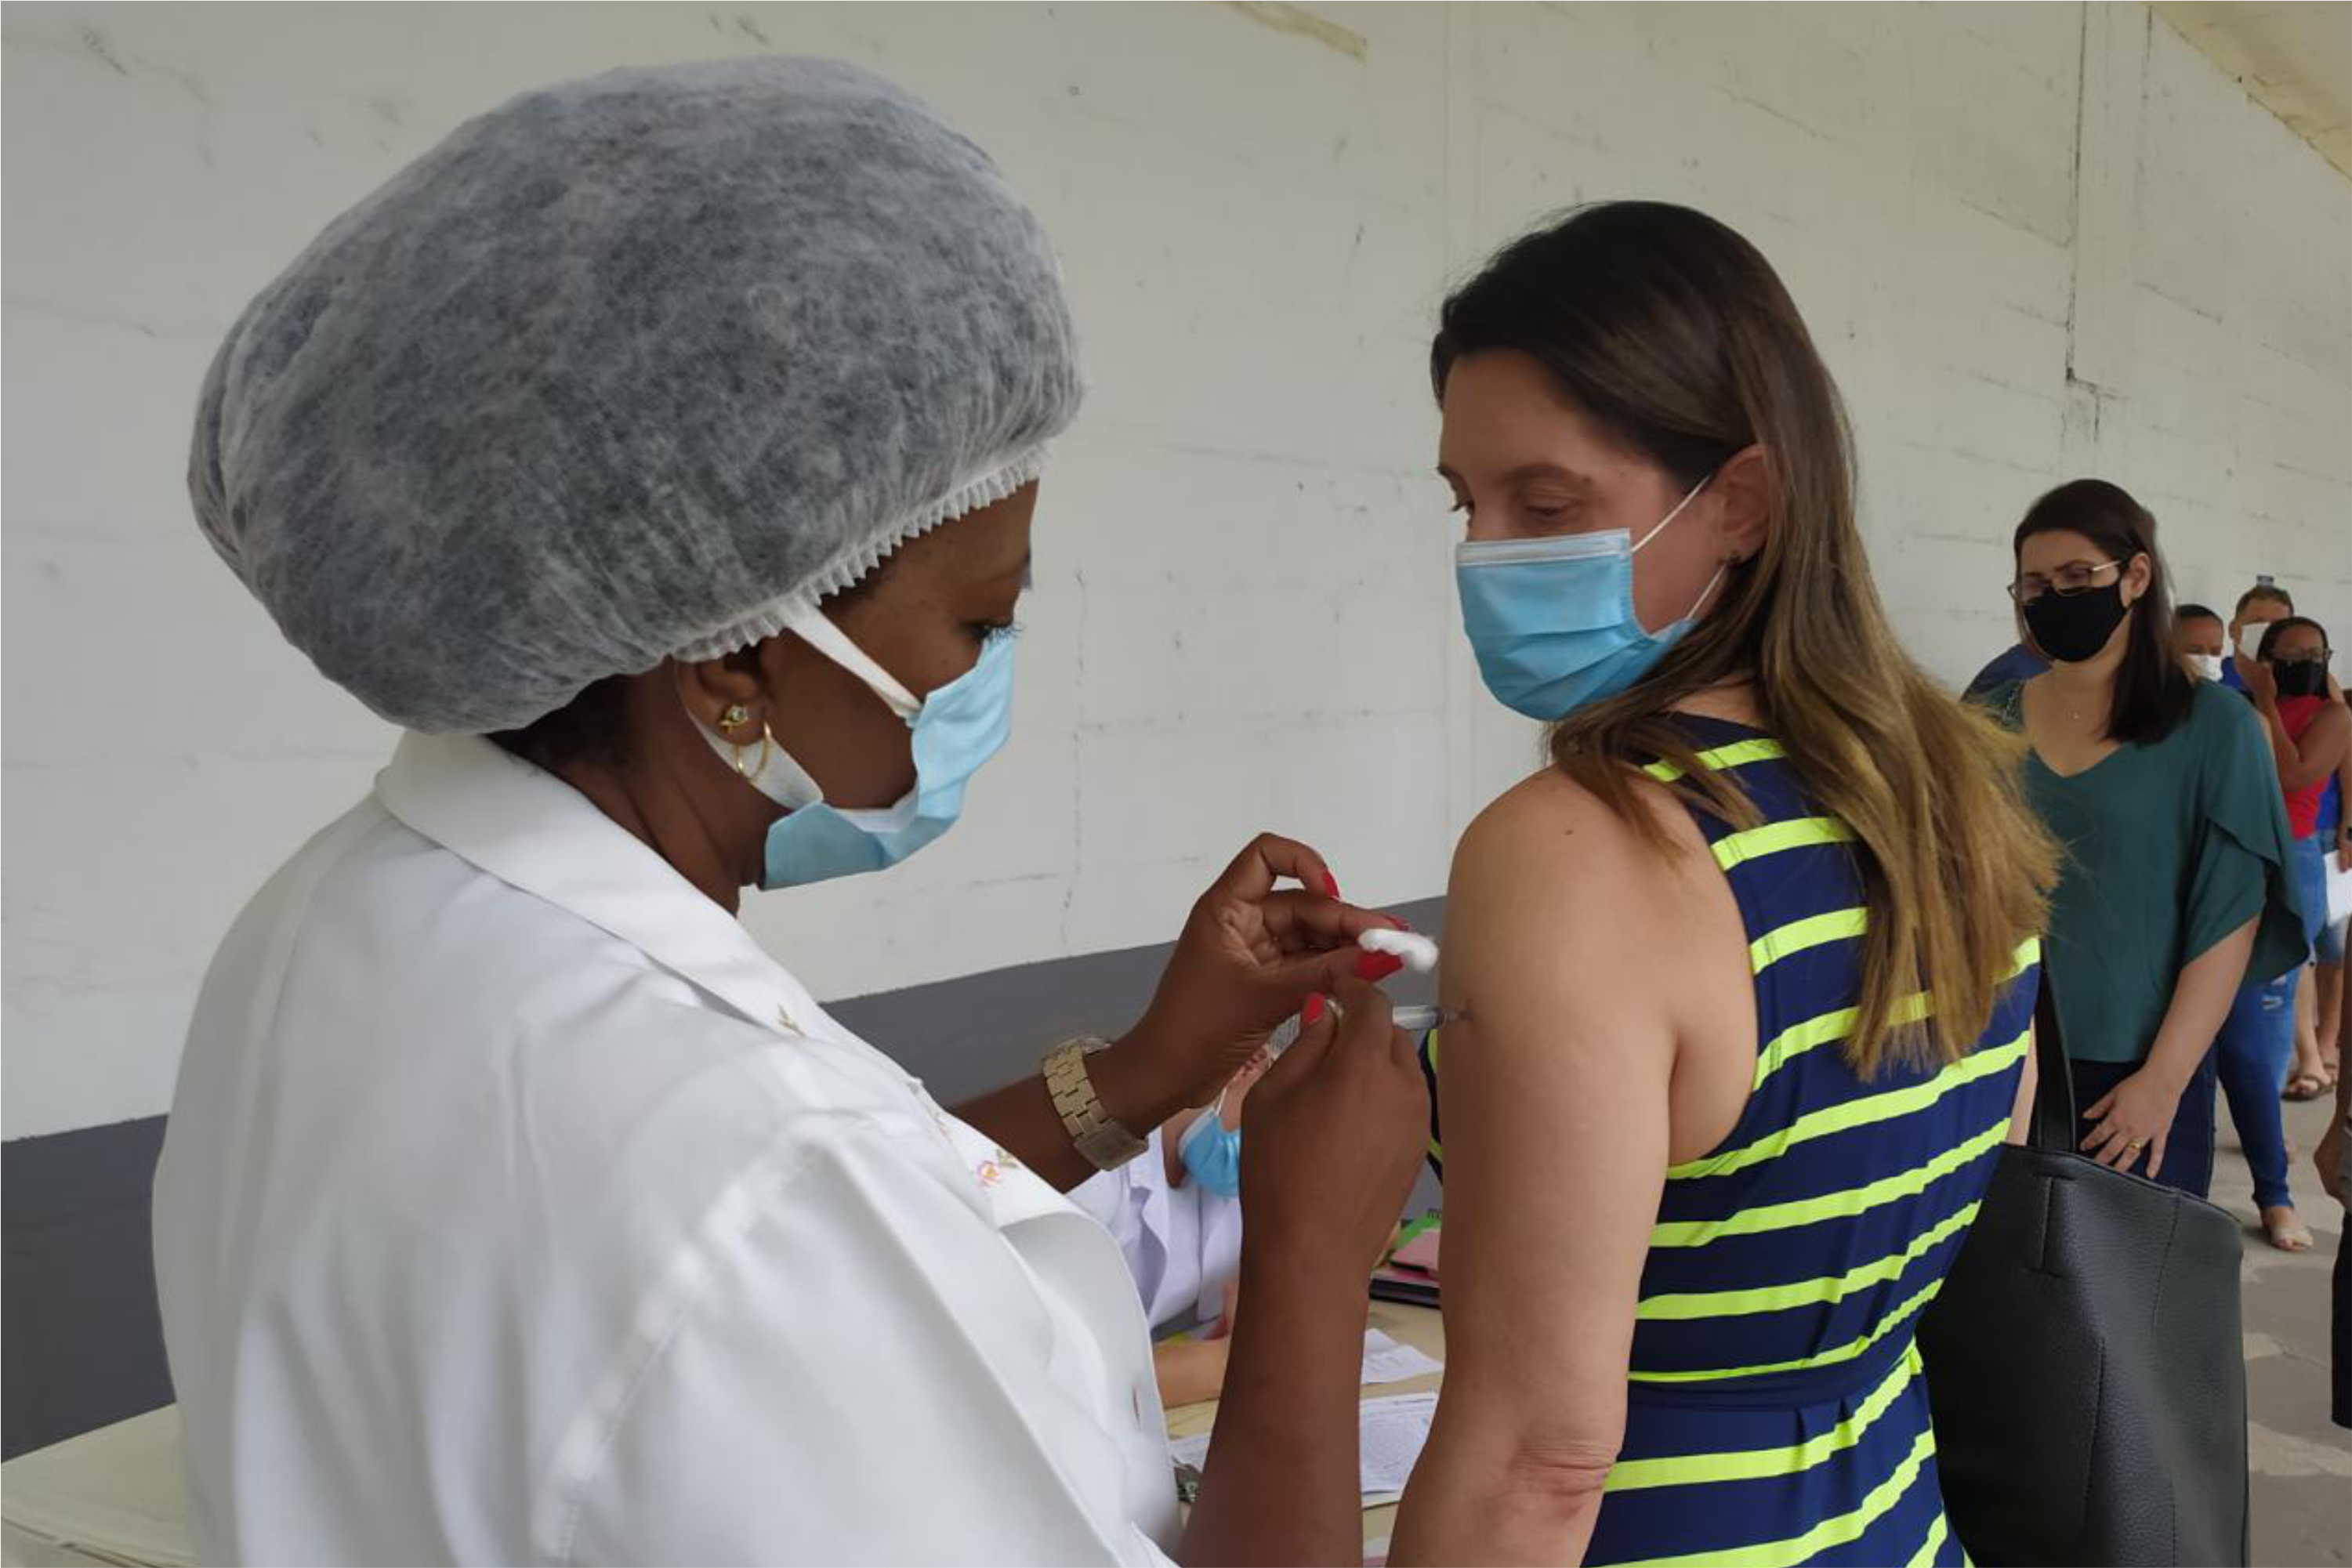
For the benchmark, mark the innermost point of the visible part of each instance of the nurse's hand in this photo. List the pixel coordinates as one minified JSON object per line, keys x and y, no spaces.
{"x":1248,"y":954}
{"x":1332,"y":1138}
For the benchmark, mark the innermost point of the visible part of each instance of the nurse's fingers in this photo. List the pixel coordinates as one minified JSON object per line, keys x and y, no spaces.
{"x":1306,"y":922}
{"x":1329,"y":970}
{"x":1368,"y":1020}
{"x":1267,"y":860}
{"x":1317,"y":1027}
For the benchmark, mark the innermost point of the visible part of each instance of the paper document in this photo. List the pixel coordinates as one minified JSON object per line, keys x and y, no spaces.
{"x":1389,"y":1433}
{"x":1192,"y":1451}
{"x":1387,"y":1361}
{"x":1390,"y":1436}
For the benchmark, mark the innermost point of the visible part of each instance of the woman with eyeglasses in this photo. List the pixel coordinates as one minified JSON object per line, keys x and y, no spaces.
{"x":2306,"y":725}
{"x":2175,"y":882}
{"x":2308,"y":730}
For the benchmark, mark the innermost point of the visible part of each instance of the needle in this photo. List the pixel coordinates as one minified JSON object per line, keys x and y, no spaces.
{"x":1412,"y":1021}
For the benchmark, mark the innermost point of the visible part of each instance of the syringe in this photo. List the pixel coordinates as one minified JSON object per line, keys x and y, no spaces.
{"x":1412,"y":1021}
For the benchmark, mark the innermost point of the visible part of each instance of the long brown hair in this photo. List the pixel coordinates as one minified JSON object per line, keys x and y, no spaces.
{"x":1675,"y":334}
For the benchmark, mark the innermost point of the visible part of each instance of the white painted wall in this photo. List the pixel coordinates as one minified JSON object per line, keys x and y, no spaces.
{"x":1245,"y":613}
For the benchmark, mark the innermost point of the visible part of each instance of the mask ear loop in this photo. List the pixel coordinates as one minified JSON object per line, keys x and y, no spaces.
{"x":1211,"y":1117}
{"x":817,"y":629}
{"x":1670,"y":517}
{"x":1719,"y":570}
{"x":776,"y":773}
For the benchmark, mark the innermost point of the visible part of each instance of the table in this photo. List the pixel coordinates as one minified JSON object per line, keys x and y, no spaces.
{"x":113,"y":1496}
{"x":1424,"y":1328}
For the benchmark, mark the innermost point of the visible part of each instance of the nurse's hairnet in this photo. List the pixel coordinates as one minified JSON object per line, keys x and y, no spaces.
{"x":629,"y":368}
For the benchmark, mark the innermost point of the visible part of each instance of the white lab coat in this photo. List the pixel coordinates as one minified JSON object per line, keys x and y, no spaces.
{"x":517,"y":1207}
{"x":1181,"y":1243}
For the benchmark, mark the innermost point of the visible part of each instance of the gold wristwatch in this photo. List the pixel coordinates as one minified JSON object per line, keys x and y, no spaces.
{"x":1106,"y":1145}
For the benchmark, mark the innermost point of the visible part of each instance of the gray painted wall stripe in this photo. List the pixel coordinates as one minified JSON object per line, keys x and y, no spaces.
{"x":79,"y":1345}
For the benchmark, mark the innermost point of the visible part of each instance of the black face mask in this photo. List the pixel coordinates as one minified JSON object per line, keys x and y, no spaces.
{"x":2303,"y":678}
{"x":2072,"y":627}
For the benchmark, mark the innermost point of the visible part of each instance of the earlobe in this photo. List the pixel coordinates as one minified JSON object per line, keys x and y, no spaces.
{"x":725,"y":695}
{"x":1747,"y":492}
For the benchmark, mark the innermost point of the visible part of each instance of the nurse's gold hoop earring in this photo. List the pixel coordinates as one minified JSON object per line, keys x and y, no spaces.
{"x":736,"y":717}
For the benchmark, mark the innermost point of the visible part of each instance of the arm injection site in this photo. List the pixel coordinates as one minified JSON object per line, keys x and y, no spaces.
{"x":1418,"y":955}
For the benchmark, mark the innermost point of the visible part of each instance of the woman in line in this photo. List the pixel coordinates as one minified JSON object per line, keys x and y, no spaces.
{"x":1749,"y":969}
{"x":659,"y":452}
{"x":2309,"y":733}
{"x":2256,"y":1019}
{"x":2292,"y":686}
{"x":2158,"y":787}
{"x":2198,"y":638}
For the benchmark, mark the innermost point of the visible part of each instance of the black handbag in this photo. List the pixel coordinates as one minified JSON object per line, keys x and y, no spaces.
{"x":2085,"y":1361}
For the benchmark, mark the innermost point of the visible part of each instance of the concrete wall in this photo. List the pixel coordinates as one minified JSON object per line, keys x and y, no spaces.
{"x":2035,"y":241}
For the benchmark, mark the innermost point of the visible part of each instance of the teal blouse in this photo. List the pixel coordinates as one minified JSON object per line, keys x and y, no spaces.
{"x":2168,"y":849}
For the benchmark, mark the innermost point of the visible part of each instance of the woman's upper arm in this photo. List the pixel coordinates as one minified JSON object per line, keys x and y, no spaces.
{"x":2321,"y":748}
{"x":1555,"y":1108}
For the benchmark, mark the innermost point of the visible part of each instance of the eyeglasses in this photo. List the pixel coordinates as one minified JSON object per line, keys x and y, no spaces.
{"x":2319,"y":656}
{"x":2077,"y":578}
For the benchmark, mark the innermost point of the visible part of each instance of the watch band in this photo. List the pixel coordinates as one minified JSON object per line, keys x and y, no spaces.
{"x":1106,"y":1145}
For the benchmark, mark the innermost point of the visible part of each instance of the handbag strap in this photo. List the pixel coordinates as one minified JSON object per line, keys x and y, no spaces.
{"x":2053,"y":1094}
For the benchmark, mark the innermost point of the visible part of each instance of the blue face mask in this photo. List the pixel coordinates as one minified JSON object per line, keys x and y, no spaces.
{"x":1212,"y":1153}
{"x":1552,"y":620}
{"x":957,"y":727}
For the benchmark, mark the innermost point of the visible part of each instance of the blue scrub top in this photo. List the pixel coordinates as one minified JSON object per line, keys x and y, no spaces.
{"x":2020,"y":663}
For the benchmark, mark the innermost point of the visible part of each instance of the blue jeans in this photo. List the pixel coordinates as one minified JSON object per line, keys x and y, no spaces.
{"x":2188,"y":1147}
{"x":2252,"y":1052}
{"x":2256,"y":1045}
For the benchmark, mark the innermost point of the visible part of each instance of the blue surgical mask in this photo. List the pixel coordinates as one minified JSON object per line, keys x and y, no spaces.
{"x":1552,"y":620}
{"x":1211,"y":1152}
{"x":957,"y":727}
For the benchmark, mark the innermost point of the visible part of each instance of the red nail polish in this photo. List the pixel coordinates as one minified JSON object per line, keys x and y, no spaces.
{"x":1398,"y":924}
{"x":1378,"y":966}
{"x":1331,"y":885}
{"x":1311,"y":1013}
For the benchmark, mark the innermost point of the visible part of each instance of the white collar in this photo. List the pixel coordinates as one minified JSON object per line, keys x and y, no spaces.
{"x":532,"y":832}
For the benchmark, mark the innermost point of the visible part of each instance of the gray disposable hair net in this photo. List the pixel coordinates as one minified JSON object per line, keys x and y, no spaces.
{"x":629,"y":368}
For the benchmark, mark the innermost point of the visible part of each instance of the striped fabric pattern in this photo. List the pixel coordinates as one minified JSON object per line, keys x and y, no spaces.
{"x":1776,"y":1411}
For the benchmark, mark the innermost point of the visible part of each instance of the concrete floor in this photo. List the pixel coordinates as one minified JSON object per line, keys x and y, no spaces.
{"x":2302,"y":1461}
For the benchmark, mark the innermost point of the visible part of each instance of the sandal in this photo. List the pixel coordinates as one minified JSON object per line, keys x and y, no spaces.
{"x":2305,"y":1086}
{"x":2287,"y":1232}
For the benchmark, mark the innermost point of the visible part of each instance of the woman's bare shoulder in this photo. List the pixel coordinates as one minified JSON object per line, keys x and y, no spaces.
{"x":1550,"y":846}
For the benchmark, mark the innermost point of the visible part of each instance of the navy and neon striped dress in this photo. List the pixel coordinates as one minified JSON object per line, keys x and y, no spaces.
{"x":1777,"y":1412}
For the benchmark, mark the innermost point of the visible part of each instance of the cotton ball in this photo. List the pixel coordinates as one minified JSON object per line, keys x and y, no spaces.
{"x":1418,"y":953}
